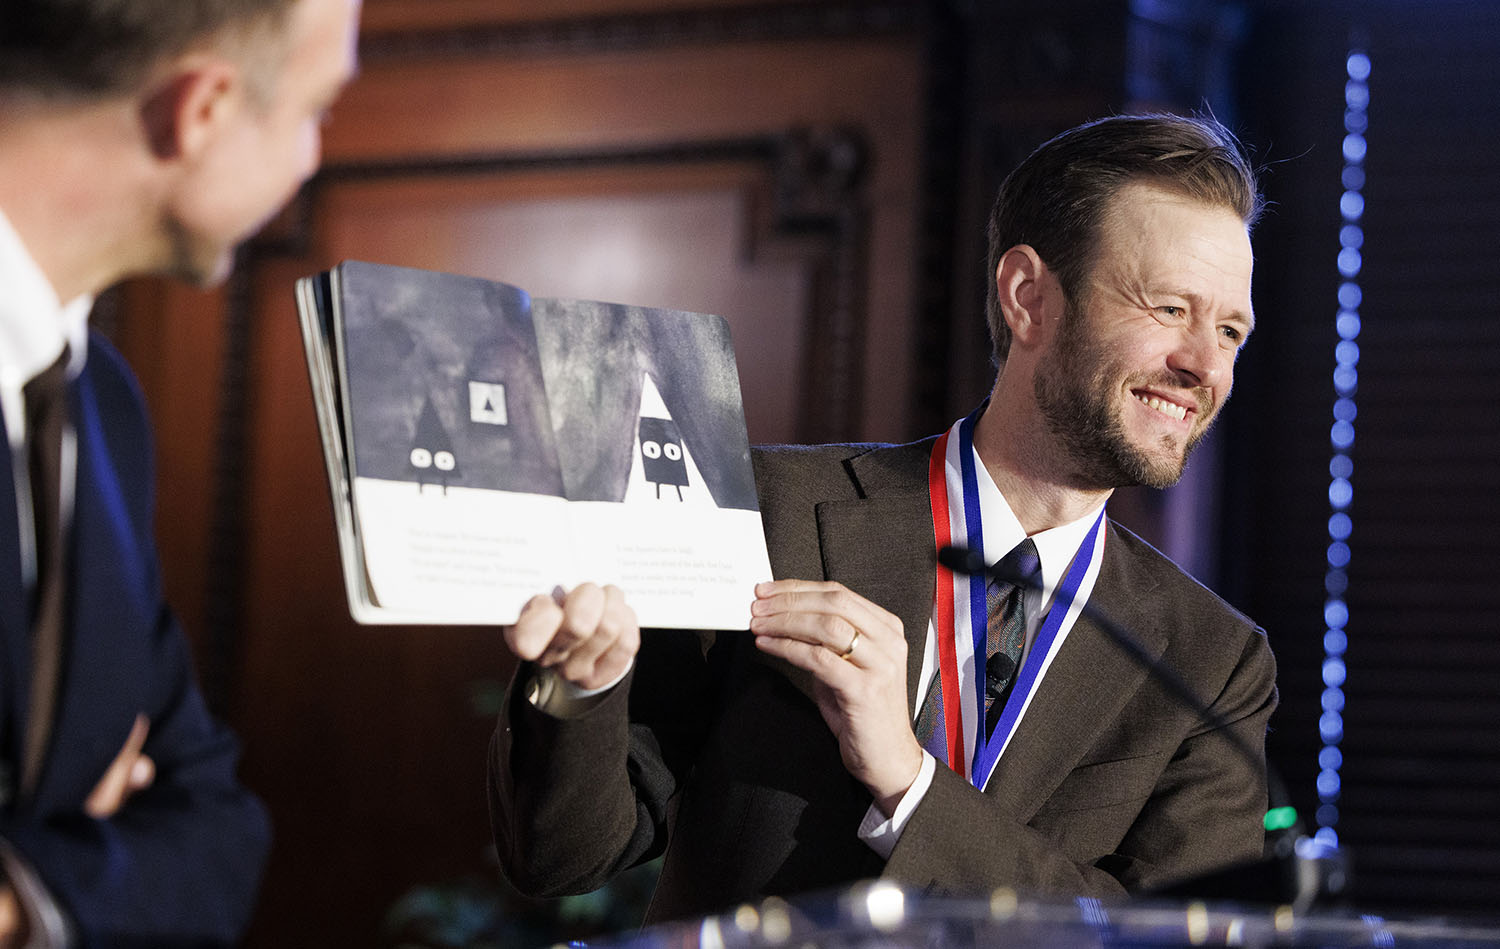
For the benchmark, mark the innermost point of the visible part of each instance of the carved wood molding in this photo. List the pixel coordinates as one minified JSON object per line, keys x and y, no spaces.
{"x":644,"y":31}
{"x":816,"y":179}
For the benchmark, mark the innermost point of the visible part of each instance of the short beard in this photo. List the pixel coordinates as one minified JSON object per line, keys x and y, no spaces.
{"x":1073,"y":394}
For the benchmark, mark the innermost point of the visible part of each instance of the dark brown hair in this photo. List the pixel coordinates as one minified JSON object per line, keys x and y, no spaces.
{"x":88,"y":48}
{"x":1056,"y":199}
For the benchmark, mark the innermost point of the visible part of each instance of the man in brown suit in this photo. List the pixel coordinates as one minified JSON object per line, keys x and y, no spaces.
{"x":851,"y":734}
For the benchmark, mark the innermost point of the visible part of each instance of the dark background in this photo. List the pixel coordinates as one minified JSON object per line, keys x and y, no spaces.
{"x":819,"y":173}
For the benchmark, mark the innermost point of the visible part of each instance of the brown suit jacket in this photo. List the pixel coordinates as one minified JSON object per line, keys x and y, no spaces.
{"x":717,"y":754}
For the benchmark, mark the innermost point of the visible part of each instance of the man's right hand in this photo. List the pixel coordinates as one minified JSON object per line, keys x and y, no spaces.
{"x":588,"y":636}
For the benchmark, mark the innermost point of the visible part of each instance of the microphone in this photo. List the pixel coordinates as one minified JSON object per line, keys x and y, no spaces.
{"x":997,"y":672}
{"x":1299,"y":869}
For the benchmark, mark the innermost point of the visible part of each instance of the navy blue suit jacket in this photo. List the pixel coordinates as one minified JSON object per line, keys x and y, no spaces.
{"x":180,"y":863}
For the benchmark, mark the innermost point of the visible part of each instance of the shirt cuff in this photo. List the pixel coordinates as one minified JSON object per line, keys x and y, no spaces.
{"x":881,"y":834}
{"x":50,"y":929}
{"x":556,"y":696}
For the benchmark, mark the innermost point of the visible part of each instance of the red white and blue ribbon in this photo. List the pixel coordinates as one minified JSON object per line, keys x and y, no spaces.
{"x":960,"y":614}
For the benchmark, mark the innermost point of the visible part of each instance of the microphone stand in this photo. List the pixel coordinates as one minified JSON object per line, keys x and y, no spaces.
{"x":1296,"y":870}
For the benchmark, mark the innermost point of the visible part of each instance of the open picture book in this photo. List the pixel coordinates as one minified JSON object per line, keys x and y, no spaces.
{"x":483,"y":447}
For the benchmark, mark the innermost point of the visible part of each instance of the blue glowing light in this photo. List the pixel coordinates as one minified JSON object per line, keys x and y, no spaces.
{"x":1338,"y":555}
{"x":1342,"y":437}
{"x":1331,"y":727}
{"x":1340,"y":526}
{"x":1333,"y":700}
{"x":1350,"y":295}
{"x":1358,"y":65}
{"x":1341,"y":466}
{"x":1336,"y":581}
{"x":1352,"y":205}
{"x":1344,"y":410}
{"x":1328,"y":785}
{"x":1336,"y":614}
{"x":1333,"y":671}
{"x":1351,"y":235}
{"x":1345,"y":380}
{"x":1346,"y":353}
{"x":1349,"y":262}
{"x":1347,"y":323}
{"x":1335,"y":641}
{"x":1340,"y":492}
{"x":1330,"y":759}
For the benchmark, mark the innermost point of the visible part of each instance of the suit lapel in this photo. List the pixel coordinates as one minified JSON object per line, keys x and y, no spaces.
{"x":1084,"y":690}
{"x":881,"y":546}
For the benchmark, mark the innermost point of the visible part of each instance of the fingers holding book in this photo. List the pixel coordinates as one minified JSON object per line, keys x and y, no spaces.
{"x":587,"y":636}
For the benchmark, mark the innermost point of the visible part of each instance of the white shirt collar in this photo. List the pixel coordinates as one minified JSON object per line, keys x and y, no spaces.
{"x":34,"y":324}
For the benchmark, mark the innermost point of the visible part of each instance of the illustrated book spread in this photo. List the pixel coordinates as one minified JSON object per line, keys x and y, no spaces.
{"x":483,"y":447}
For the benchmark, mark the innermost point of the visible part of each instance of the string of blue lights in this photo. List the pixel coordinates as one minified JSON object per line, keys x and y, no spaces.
{"x":1341,"y":438}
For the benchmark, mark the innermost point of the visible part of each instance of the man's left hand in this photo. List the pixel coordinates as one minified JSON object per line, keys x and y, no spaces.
{"x":13,"y":928}
{"x":132,"y":771}
{"x":857,"y":653}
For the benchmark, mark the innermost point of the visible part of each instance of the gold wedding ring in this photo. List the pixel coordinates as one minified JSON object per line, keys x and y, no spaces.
{"x":852,"y":643}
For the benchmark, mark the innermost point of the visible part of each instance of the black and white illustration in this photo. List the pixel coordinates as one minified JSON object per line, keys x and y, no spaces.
{"x":432,"y":459}
{"x":608,"y":366}
{"x":484,"y":447}
{"x":661,"y":455}
{"x":419,"y":348}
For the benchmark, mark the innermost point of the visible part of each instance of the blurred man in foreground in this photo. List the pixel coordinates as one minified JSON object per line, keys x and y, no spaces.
{"x":136,"y":137}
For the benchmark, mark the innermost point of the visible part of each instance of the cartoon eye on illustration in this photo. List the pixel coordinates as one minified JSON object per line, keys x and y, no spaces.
{"x":432,"y":448}
{"x":662,"y":455}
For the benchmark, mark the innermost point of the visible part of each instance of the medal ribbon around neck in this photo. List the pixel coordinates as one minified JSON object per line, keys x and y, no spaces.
{"x":960,"y":605}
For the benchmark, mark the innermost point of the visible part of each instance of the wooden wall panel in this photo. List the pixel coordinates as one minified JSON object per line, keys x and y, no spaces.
{"x":404,"y":15}
{"x":704,"y":94}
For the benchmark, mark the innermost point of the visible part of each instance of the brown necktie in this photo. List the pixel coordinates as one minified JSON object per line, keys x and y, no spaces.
{"x":46,"y":416}
{"x":1007,"y":627}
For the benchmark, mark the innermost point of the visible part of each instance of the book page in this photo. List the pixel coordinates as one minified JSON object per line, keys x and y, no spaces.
{"x":655,"y":458}
{"x":462,"y":556}
{"x":499,"y":447}
{"x":457,"y":494}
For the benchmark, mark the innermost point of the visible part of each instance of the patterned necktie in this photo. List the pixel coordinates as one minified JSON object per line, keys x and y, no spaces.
{"x":1006,"y":630}
{"x":46,"y":416}
{"x":1005,"y":639}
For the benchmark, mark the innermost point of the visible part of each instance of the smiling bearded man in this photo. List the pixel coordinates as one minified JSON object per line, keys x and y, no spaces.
{"x":1136,"y":305}
{"x":884,"y":717}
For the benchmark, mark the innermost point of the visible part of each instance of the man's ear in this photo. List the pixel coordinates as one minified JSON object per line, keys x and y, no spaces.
{"x":184,"y":112}
{"x":1025,"y":289}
